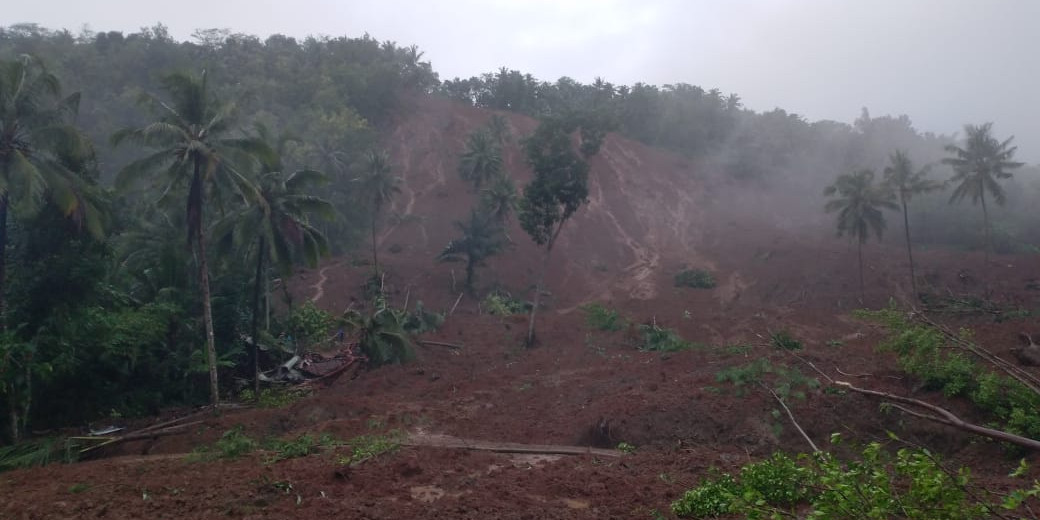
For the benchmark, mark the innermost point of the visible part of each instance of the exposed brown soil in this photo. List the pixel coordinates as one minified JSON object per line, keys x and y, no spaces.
{"x":650,"y":213}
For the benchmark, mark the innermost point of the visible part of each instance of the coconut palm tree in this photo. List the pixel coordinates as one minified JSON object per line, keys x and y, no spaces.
{"x":905,"y":181}
{"x":977,"y":166}
{"x":193,"y":145}
{"x":36,"y":143}
{"x":276,"y":226}
{"x":859,"y":202}
{"x":498,"y":127}
{"x":378,"y":187}
{"x":482,"y":237}
{"x":498,"y":201}
{"x":482,"y":160}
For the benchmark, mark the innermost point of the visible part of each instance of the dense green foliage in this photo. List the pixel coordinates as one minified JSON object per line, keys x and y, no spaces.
{"x":123,"y":321}
{"x":878,"y":484}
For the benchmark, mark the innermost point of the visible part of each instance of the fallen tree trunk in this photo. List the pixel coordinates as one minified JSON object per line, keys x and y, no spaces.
{"x":943,"y":416}
{"x":439,"y":344}
{"x":445,"y":441}
{"x":1027,"y":379}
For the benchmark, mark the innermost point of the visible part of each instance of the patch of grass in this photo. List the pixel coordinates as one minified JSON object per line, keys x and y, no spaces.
{"x":695,"y":278}
{"x":835,"y":343}
{"x":365,"y":447}
{"x":659,"y":339}
{"x":275,"y":397}
{"x":78,"y":488}
{"x":740,"y":349}
{"x":36,"y":453}
{"x":300,"y":447}
{"x":600,"y":317}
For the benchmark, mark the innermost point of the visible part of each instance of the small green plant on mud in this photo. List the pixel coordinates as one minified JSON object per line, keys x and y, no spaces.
{"x":231,"y":445}
{"x":600,"y":317}
{"x":78,"y":487}
{"x":365,"y":447}
{"x":695,"y":278}
{"x":784,"y":381}
{"x":660,"y":339}
{"x":275,"y":397}
{"x":783,"y":340}
{"x":500,"y":303}
{"x":626,"y":448}
{"x":300,"y":447}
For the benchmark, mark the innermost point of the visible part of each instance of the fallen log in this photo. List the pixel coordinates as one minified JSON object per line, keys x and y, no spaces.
{"x":445,"y":441}
{"x":943,"y":416}
{"x":439,"y":344}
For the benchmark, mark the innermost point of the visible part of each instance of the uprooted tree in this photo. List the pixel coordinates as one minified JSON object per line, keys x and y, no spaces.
{"x":560,"y":184}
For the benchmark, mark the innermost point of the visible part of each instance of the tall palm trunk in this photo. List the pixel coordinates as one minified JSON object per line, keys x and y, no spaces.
{"x":859,"y":252}
{"x":985,"y":224}
{"x":256,"y":317}
{"x":375,"y":259}
{"x":195,"y":200}
{"x":470,"y":267}
{"x":538,"y":296}
{"x":3,"y":262}
{"x":207,"y":318}
{"x":12,"y":398}
{"x":909,"y":249}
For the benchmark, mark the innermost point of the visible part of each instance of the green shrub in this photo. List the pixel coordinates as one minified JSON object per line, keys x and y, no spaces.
{"x":786,"y":382}
{"x":600,"y":317}
{"x":658,"y":339}
{"x":421,"y":320}
{"x":503,"y":304}
{"x":695,"y":278}
{"x":910,"y":484}
{"x":310,"y":324}
{"x":778,"y":480}
{"x":712,"y":498}
{"x":234,"y":444}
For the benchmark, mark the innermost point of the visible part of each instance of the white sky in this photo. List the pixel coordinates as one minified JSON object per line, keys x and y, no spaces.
{"x":942,"y":62}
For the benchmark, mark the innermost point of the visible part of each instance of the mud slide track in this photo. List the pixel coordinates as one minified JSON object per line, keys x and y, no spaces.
{"x":319,"y":288}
